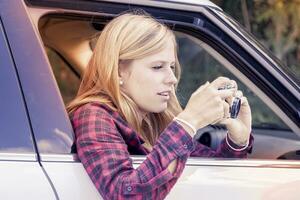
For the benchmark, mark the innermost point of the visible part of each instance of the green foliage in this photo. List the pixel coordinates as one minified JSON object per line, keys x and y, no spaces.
{"x":276,"y":23}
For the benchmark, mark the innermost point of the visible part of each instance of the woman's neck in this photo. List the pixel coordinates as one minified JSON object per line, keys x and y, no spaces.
{"x":141,"y":115}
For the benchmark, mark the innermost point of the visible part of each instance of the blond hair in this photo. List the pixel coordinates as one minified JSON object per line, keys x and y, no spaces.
{"x":127,"y":37}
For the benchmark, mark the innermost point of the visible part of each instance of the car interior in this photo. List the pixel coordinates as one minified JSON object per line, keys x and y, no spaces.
{"x":69,"y":41}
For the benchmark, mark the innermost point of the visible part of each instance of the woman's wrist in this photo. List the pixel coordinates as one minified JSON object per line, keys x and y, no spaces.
{"x":240,"y":142}
{"x":187,"y":126}
{"x":187,"y":123}
{"x":234,"y":146}
{"x":194,"y":121}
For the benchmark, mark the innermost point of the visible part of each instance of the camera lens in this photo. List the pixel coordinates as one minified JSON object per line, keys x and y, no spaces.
{"x":235,"y":107}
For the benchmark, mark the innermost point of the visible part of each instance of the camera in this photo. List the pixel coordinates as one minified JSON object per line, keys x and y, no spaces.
{"x":236,"y":104}
{"x":235,"y":107}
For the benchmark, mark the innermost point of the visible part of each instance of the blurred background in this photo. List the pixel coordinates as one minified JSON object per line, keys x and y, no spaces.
{"x":275,"y":23}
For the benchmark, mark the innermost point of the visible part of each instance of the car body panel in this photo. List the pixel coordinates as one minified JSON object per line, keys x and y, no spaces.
{"x":71,"y":181}
{"x":236,"y":183}
{"x":23,"y":180}
{"x":236,"y":179}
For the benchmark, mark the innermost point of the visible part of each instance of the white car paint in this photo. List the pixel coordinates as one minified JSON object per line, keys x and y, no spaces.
{"x":23,"y":180}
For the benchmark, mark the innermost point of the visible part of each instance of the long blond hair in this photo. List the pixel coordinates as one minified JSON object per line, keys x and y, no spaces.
{"x":127,"y":37}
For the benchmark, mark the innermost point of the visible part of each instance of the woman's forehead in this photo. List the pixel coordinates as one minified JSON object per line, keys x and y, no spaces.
{"x":165,"y":54}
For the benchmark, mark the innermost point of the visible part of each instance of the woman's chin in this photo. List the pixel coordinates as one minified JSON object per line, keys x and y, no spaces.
{"x":155,"y":108}
{"x":160,"y":109}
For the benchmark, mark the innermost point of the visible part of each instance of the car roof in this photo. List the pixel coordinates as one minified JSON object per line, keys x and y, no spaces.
{"x":193,"y":2}
{"x":171,"y":3}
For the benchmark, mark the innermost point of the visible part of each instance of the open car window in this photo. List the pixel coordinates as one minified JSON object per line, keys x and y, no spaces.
{"x":69,"y":55}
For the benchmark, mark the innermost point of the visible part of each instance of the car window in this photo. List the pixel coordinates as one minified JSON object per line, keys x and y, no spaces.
{"x":199,"y":66}
{"x":200,"y":63}
{"x":14,"y":138}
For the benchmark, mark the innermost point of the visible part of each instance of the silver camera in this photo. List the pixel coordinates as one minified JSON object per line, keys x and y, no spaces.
{"x":236,"y":104}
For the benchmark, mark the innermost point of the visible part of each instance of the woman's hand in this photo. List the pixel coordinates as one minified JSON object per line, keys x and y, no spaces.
{"x":239,"y":128}
{"x":207,"y":104}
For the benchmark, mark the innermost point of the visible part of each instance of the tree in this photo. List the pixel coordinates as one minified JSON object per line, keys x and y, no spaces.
{"x":281,"y":19}
{"x":276,"y":24}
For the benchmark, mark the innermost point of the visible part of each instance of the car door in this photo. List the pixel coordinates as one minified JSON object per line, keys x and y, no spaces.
{"x":226,"y":51}
{"x":20,"y":172}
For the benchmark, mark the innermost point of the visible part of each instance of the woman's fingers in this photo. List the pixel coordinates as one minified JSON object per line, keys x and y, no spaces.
{"x":225,"y":94}
{"x":222,"y":86}
{"x":239,"y":94}
{"x":202,"y":87}
{"x":220,"y":81}
{"x":244,"y":101}
{"x":226,"y":107}
{"x":225,"y":87}
{"x":224,"y":82}
{"x":226,"y":114}
{"x":211,"y":102}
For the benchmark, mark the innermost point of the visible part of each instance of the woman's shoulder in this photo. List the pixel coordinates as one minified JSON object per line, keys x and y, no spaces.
{"x":94,"y":109}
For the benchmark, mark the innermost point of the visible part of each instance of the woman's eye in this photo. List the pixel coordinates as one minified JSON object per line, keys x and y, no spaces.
{"x":157,"y":67}
{"x":173,"y":67}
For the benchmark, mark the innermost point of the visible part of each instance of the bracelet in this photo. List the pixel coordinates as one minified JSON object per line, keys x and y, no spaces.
{"x":241,"y":149}
{"x":187,"y":124}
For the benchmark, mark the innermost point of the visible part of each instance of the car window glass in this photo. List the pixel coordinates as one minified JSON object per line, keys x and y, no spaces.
{"x":68,"y":82}
{"x":14,"y":128}
{"x":198,"y":66}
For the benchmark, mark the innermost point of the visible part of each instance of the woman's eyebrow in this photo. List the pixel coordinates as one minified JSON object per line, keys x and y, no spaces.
{"x":162,"y":61}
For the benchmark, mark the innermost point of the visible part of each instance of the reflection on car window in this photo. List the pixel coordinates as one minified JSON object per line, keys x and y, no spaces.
{"x":67,"y":81}
{"x":198,"y":66}
{"x":14,"y":139}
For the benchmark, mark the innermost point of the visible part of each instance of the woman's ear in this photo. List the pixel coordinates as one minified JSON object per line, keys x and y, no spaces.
{"x":123,"y":70}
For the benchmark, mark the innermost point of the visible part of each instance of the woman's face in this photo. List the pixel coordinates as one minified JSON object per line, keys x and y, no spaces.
{"x":150,"y":80}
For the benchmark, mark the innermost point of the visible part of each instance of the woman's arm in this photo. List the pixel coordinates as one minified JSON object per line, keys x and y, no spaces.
{"x":105,"y":157}
{"x":227,"y":149}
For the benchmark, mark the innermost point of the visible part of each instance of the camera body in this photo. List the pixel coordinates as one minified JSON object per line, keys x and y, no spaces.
{"x":236,"y":104}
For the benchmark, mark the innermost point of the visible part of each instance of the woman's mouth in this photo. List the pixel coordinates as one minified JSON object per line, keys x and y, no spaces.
{"x":165,"y":94}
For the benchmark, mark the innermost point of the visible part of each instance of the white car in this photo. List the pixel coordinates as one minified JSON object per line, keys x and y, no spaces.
{"x":44,"y":47}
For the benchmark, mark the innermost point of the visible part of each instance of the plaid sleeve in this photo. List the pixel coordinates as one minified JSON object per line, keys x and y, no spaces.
{"x":227,"y":149}
{"x":105,"y":157}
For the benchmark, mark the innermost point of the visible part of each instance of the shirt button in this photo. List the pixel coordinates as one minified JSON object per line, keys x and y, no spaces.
{"x":185,"y":146}
{"x":129,"y":188}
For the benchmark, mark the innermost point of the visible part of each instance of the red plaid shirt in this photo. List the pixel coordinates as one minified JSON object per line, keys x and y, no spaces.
{"x":105,"y":141}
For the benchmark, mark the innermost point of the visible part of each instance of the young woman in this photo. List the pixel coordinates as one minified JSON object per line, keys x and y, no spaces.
{"x":126,"y":104}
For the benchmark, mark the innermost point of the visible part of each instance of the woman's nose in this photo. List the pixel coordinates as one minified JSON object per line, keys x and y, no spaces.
{"x":171,"y":78}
